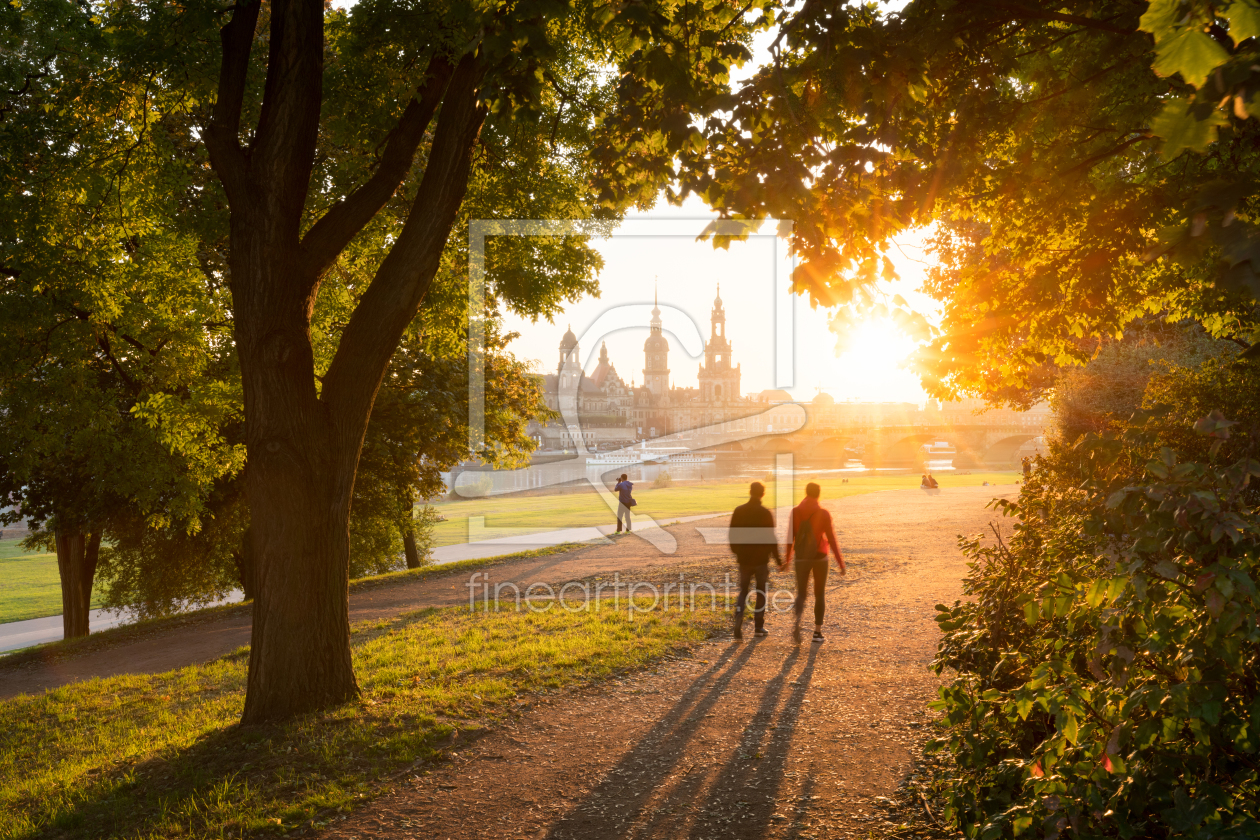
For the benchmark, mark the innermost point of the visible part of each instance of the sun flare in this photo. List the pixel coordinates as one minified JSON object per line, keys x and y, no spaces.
{"x":869,"y":367}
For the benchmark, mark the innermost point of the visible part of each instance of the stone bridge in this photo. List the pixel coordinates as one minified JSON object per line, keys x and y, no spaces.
{"x":901,"y":445}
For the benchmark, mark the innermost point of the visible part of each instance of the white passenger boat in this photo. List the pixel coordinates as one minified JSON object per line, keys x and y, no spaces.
{"x":644,"y":454}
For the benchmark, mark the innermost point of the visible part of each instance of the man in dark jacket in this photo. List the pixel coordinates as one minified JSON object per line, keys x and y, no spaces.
{"x":753,"y":541}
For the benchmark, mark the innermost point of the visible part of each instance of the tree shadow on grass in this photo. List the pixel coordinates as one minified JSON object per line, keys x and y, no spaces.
{"x":231,"y":780}
{"x":654,"y":787}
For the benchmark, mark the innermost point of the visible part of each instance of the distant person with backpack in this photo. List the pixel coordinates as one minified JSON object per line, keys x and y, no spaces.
{"x":810,"y":535}
{"x":752,"y":539}
{"x":625,"y":501}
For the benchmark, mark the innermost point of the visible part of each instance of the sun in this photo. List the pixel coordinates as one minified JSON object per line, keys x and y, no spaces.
{"x":870,"y":367}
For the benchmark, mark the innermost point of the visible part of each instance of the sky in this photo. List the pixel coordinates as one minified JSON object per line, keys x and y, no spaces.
{"x":687,"y":274}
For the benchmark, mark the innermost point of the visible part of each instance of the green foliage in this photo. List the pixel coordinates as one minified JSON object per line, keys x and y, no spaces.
{"x":1195,"y":40}
{"x":161,"y":571}
{"x":1104,"y":393}
{"x":1027,"y":136}
{"x":663,"y":479}
{"x":1107,"y":682}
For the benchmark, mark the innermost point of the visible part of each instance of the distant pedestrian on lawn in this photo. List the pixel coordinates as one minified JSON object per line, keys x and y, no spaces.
{"x":753,"y":541}
{"x":624,"y":501}
{"x":810,"y":535}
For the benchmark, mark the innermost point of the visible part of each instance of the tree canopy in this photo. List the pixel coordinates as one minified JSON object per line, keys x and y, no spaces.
{"x":316,"y":168}
{"x":1078,"y":172}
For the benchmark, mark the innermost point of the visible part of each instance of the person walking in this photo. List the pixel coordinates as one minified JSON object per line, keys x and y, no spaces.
{"x":752,"y":540}
{"x":811,"y":533}
{"x":625,"y":501}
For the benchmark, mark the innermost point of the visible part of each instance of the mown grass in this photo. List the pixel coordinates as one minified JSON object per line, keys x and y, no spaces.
{"x":521,"y":514}
{"x":29,"y":584}
{"x":161,"y":755}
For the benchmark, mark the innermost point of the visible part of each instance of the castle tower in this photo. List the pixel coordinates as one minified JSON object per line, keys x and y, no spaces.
{"x":719,"y":380}
{"x":656,"y":355}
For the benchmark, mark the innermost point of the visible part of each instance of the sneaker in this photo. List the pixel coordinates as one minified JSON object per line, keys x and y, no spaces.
{"x":761,"y":633}
{"x":818,"y":636}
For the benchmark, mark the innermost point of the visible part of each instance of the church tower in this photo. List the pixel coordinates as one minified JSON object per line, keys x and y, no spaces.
{"x":656,"y":356}
{"x":719,"y":380}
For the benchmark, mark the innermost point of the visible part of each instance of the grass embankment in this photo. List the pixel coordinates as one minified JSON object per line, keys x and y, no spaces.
{"x":505,"y":515}
{"x":29,"y":584}
{"x":120,"y":634}
{"x":162,"y":756}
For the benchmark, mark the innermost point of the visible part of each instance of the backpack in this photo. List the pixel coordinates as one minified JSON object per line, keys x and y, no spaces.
{"x":806,"y":543}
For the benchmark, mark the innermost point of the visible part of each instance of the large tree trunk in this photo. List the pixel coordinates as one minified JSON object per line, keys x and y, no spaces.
{"x":304,"y":445}
{"x":298,"y":484}
{"x":409,"y":548}
{"x":77,"y":554}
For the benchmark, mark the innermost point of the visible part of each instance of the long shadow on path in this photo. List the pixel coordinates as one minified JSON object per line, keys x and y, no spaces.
{"x":611,"y":808}
{"x":663,"y":787}
{"x":744,"y":798}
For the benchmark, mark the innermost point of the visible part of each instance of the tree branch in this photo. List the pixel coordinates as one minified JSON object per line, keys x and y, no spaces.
{"x":1089,"y":162}
{"x":1041,"y":14}
{"x":222,"y":136}
{"x":403,"y":279}
{"x":282,"y":155}
{"x":328,"y":236}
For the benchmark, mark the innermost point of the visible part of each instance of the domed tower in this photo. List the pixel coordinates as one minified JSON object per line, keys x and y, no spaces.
{"x":656,"y":355}
{"x":719,"y":380}
{"x":569,"y":372}
{"x":568,"y":352}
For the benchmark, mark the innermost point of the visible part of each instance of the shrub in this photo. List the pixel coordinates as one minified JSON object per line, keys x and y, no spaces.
{"x":663,"y":479}
{"x":1107,"y":682}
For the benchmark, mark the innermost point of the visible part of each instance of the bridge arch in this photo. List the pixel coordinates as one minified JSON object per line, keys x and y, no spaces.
{"x":908,"y":449}
{"x":831,"y":447}
{"x":1003,"y":451}
{"x":773,"y":444}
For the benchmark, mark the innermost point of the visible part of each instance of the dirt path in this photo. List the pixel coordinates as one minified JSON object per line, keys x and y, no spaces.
{"x":739,"y":740}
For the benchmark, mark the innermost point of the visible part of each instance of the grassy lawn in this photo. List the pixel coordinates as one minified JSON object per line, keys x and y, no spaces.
{"x":161,"y":755}
{"x":505,"y":515}
{"x":29,"y":585}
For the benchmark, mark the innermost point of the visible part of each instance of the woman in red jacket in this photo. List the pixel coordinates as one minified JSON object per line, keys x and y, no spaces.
{"x":810,"y":535}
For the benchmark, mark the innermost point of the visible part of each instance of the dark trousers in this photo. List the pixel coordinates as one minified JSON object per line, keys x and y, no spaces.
{"x":818,"y":568}
{"x":761,"y":573}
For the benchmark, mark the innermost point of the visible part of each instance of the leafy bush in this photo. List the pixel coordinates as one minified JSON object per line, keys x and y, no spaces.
{"x":663,"y":479}
{"x":1106,"y":671}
